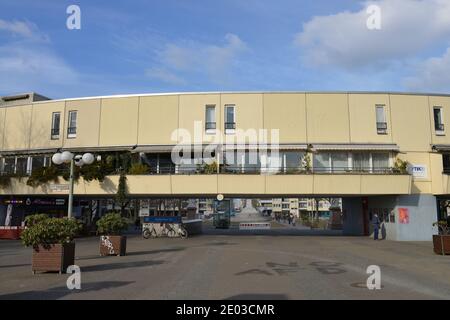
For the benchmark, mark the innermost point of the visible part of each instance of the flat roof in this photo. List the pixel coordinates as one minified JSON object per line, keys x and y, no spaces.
{"x":244,"y":92}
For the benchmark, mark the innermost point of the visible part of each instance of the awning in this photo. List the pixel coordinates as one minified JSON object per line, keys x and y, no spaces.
{"x":441,"y":147}
{"x":7,"y":153}
{"x":356,"y":147}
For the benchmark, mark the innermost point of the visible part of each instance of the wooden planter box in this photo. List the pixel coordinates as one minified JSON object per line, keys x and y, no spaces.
{"x":441,"y":244}
{"x":113,"y":245}
{"x":56,"y":258}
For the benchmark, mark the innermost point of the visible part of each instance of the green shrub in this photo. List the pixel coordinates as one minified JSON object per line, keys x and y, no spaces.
{"x":46,"y":231}
{"x":42,"y":176}
{"x":112,"y":224}
{"x":139,"y":169}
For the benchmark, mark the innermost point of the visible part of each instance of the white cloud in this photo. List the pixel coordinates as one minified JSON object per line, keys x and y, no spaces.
{"x":431,"y":75}
{"x":31,"y":68}
{"x":343,"y":40}
{"x":22,"y":29}
{"x":165,"y":76}
{"x":214,"y":61}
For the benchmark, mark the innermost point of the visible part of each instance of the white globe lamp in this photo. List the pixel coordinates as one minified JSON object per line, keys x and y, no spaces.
{"x":57,"y":159}
{"x":88,"y":158}
{"x":67,"y":156}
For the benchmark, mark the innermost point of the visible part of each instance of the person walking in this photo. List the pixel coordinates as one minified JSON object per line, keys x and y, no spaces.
{"x":294,"y":220}
{"x":137,"y":224}
{"x":376,"y":226}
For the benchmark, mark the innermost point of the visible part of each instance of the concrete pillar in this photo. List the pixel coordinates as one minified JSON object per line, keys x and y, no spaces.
{"x":353,"y":220}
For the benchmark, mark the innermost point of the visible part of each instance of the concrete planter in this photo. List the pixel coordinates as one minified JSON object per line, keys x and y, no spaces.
{"x":113,"y":245}
{"x":57,"y":257}
{"x":441,"y":244}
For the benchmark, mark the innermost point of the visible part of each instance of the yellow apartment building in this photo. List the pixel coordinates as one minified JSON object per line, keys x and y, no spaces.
{"x":384,"y":153}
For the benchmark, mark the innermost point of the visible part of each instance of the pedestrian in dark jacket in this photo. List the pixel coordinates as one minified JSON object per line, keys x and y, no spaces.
{"x":376,"y":226}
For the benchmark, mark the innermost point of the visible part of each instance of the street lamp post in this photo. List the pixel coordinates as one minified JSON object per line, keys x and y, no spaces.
{"x":78,"y":160}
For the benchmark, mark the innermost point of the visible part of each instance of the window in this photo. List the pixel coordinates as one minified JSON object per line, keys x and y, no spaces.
{"x":361,"y":162}
{"x":72,"y":125}
{"x":321,"y":162}
{"x":210,"y":119}
{"x":21,"y":166}
{"x":438,"y":123}
{"x":339,"y":161}
{"x":446,"y":163}
{"x":381,"y":120}
{"x":9,"y":165}
{"x":56,"y":118}
{"x":230,"y":121}
{"x":380,"y":162}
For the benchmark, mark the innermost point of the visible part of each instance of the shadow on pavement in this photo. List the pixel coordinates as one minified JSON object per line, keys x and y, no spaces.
{"x":61,"y":292}
{"x":15,"y":265}
{"x":121,"y":265}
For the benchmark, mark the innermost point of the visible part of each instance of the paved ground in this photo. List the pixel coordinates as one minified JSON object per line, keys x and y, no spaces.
{"x":271,"y":266}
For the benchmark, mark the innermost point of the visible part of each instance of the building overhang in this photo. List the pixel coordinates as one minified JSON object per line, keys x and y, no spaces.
{"x":356,"y":147}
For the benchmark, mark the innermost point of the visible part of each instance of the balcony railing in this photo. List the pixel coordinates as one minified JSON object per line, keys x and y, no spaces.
{"x":230,"y":125}
{"x":239,"y":170}
{"x":439,"y":127}
{"x":210,"y":126}
{"x":381,"y":127}
{"x":55,"y":133}
{"x":72,"y":130}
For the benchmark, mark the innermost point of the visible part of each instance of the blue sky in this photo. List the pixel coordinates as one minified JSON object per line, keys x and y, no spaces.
{"x":139,"y":46}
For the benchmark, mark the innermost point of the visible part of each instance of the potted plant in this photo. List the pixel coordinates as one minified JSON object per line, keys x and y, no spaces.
{"x":52,"y":242}
{"x":110,"y":226}
{"x":441,"y":241}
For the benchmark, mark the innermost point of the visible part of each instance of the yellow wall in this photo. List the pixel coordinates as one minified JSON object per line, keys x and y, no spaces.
{"x":17,"y":127}
{"x":363,"y":120}
{"x":411,"y":122}
{"x":328,"y":118}
{"x":88,"y":123}
{"x":158,"y":119}
{"x":287,"y":113}
{"x":192,"y":109}
{"x":41,"y":125}
{"x":119,"y":122}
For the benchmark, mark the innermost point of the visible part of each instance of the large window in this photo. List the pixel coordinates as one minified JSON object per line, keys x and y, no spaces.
{"x":230,"y":120}
{"x":446,"y":163}
{"x":210,"y":118}
{"x":438,"y":122}
{"x":72,"y":124}
{"x":341,"y":162}
{"x":56,"y":119}
{"x":381,"y":119}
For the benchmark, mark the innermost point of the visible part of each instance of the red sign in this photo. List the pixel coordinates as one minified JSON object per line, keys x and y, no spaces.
{"x":403,"y":215}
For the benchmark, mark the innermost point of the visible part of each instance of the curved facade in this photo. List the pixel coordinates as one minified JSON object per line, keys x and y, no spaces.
{"x":353,"y":141}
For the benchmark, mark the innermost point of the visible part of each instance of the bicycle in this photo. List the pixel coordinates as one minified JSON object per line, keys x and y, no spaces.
{"x":168,"y":230}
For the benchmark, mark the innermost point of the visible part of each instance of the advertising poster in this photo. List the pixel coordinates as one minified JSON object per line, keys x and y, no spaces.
{"x":403,"y":215}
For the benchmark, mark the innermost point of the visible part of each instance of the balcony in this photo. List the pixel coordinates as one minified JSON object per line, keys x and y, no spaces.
{"x":251,"y":184}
